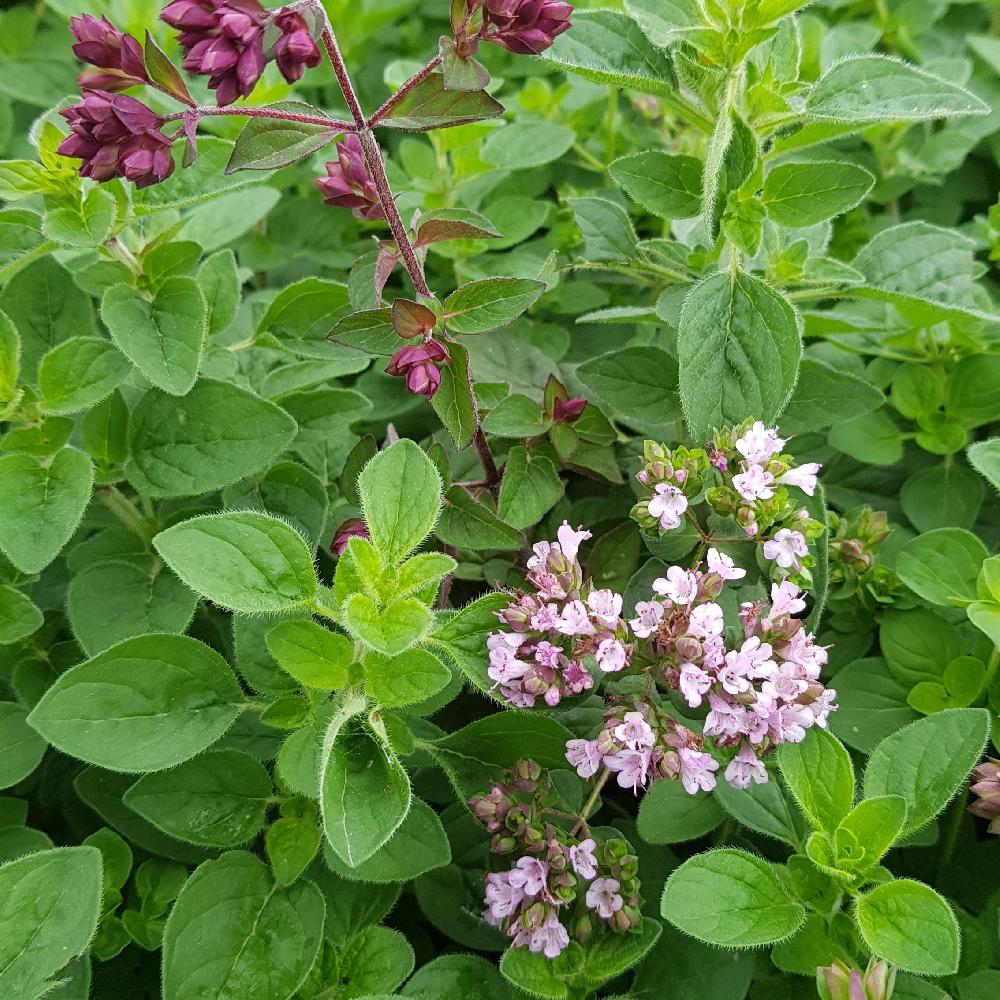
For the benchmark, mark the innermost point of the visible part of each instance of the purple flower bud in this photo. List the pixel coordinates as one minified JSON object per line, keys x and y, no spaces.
{"x":353,"y":527}
{"x":117,"y":56}
{"x":526,"y":26}
{"x":566,"y":411}
{"x":295,"y":49}
{"x":117,"y":136}
{"x":349,"y":184}
{"x":420,"y":365}
{"x":223,"y":40}
{"x":987,"y":791}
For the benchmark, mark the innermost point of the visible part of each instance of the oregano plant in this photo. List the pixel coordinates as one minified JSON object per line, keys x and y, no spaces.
{"x":499,"y":499}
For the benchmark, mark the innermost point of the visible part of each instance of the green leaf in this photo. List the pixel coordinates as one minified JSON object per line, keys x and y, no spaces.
{"x":820,"y":775}
{"x":539,"y":976}
{"x":364,"y":790}
{"x":803,"y":194}
{"x":909,"y":925}
{"x":527,"y":143}
{"x":163,"y":336}
{"x":219,"y":281}
{"x":462,"y":637}
{"x":530,"y":488}
{"x":114,"y":599}
{"x":489,"y":303}
{"x":262,"y":949}
{"x":79,"y":373}
{"x":941,"y":566}
{"x":984,"y":457}
{"x":918,"y":644}
{"x":669,"y":815}
{"x":410,"y":677}
{"x":50,"y":902}
{"x":19,"y":616}
{"x":292,"y":842}
{"x":910,"y":762}
{"x":369,"y":330}
{"x":10,"y":358}
{"x":241,"y":560}
{"x":638,"y":385}
{"x":824,"y":395}
{"x":607,"y":230}
{"x":218,"y":799}
{"x":41,"y":503}
{"x":457,"y":977}
{"x":765,"y":809}
{"x":419,"y":845}
{"x":389,"y":629}
{"x":738,"y":349}
{"x":77,"y":222}
{"x":400,"y":493}
{"x":374,"y":961}
{"x":871,"y":704}
{"x":301,"y":315}
{"x":516,"y":416}
{"x":608,"y":47}
{"x":730,"y":898}
{"x":666,"y":21}
{"x":607,"y":956}
{"x":21,"y":748}
{"x":454,"y":402}
{"x":313,"y":655}
{"x":865,"y":89}
{"x":270,"y":143}
{"x":948,"y":495}
{"x":468,"y":524}
{"x":667,"y":186}
{"x":874,"y":824}
{"x":973,"y":390}
{"x":429,"y":106}
{"x":143,"y":705}
{"x":460,"y":72}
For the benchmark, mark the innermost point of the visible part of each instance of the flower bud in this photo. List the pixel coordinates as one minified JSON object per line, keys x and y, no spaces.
{"x":295,"y":49}
{"x":420,"y":365}
{"x":117,"y":56}
{"x":353,"y":527}
{"x":349,"y":184}
{"x":987,"y":791}
{"x":526,"y":26}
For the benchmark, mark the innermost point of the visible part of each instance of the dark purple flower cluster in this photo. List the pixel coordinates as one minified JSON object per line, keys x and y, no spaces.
{"x":116,"y":58}
{"x":526,"y":26}
{"x":421,"y":366}
{"x":117,"y":136}
{"x":349,"y":183}
{"x":224,"y":40}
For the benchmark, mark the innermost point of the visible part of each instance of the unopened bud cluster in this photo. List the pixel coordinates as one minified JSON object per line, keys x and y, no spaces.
{"x":561,"y":886}
{"x":986,"y":789}
{"x":840,"y":982}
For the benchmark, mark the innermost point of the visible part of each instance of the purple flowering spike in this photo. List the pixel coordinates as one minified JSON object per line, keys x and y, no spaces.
{"x":117,"y":136}
{"x":223,"y":40}
{"x":349,"y":184}
{"x":421,"y":366}
{"x":117,"y":57}
{"x":526,"y":26}
{"x":296,"y":48}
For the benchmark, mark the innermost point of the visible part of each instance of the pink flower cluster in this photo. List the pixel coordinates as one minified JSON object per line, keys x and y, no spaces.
{"x":526,"y":26}
{"x":554,"y":627}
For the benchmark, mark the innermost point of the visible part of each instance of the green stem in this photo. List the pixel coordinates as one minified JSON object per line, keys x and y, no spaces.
{"x":589,"y":804}
{"x":950,"y":840}
{"x":125,"y":511}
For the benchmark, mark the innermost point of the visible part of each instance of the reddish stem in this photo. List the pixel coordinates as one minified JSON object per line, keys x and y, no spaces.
{"x":340,"y":69}
{"x":417,"y":77}
{"x":250,"y":112}
{"x":486,"y":457}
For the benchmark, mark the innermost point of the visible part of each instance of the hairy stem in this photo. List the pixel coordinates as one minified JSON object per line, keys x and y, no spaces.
{"x":417,"y":77}
{"x":250,"y":112}
{"x":486,"y":458}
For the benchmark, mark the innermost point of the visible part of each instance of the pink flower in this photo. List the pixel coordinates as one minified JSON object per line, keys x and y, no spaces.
{"x":502,"y":898}
{"x":584,"y":756}
{"x":576,"y":677}
{"x":786,"y":548}
{"x":583,"y":859}
{"x":649,"y":614}
{"x":570,"y":540}
{"x":117,"y":56}
{"x":744,"y":768}
{"x":575,"y":620}
{"x":295,"y":49}
{"x":694,"y":683}
{"x":611,"y":656}
{"x":786,"y":683}
{"x":551,"y":938}
{"x":526,"y":26}
{"x":804,"y":477}
{"x":668,"y":506}
{"x":631,"y":766}
{"x":823,"y":706}
{"x":720,"y":564}
{"x":541,"y":552}
{"x":547,"y":655}
{"x":349,"y":184}
{"x":605,"y":606}
{"x":696,"y":770}
{"x":603,"y":896}
{"x":530,"y":876}
{"x":421,"y":366}
{"x":754,"y":484}
{"x":546,"y":619}
{"x":785,"y":599}
{"x":759,"y":443}
{"x":679,"y":585}
{"x":706,"y":620}
{"x":635,"y":732}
